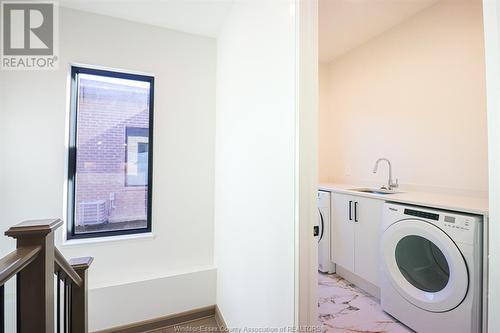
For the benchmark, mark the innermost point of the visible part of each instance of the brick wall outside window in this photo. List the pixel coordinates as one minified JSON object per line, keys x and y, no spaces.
{"x":105,"y":111}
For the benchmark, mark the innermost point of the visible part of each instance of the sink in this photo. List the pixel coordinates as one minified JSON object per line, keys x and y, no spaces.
{"x":374,"y":190}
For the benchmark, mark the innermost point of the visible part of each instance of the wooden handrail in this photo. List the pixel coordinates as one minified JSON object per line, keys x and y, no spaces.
{"x":16,"y":261}
{"x":65,"y":268}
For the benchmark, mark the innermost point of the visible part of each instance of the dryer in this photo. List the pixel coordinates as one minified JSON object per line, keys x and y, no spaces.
{"x":325,"y":264}
{"x":432,"y":269}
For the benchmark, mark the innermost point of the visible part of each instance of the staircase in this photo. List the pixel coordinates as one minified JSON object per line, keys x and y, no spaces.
{"x":51,"y":294}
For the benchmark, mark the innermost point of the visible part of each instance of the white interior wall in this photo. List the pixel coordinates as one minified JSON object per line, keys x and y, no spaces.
{"x":255,"y":145}
{"x":33,"y":108}
{"x":325,"y":173}
{"x":4,"y":246}
{"x":414,"y":94}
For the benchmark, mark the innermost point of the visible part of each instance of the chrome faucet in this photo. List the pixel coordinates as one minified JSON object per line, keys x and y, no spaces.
{"x":390,"y":183}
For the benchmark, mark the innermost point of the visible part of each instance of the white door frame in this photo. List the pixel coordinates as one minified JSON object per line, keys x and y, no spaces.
{"x":306,"y":245}
{"x":491,"y":15}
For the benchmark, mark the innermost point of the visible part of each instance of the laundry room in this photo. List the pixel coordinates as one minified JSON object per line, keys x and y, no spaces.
{"x":403,"y":167}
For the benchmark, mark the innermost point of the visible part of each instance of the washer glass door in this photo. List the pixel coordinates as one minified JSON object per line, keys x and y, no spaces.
{"x":424,"y":265}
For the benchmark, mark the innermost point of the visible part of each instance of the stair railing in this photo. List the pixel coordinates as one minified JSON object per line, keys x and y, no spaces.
{"x":51,"y":293}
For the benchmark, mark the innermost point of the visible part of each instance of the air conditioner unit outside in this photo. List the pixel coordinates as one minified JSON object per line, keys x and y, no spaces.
{"x":92,"y":212}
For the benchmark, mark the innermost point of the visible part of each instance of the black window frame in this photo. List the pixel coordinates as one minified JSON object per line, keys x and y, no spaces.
{"x":71,"y":211}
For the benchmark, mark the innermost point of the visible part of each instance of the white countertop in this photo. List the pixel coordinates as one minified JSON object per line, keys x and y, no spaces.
{"x":460,"y":203}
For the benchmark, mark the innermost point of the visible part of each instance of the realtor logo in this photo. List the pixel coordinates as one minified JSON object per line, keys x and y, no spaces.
{"x":29,"y":35}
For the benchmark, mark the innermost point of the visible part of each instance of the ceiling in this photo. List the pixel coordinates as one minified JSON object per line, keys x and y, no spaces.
{"x":200,"y":17}
{"x":345,"y":24}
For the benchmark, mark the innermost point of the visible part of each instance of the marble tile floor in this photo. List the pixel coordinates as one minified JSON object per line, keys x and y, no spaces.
{"x":344,"y":308}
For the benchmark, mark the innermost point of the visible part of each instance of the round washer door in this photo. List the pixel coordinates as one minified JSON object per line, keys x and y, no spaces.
{"x":424,"y":265}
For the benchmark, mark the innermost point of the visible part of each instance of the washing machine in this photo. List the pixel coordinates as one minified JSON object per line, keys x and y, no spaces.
{"x":325,"y":264}
{"x":431,"y":269}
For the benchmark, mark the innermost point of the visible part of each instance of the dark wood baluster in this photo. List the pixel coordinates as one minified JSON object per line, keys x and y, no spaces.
{"x":18,"y":303}
{"x":65,"y":306}
{"x":70,"y":300}
{"x":2,"y":309}
{"x":58,"y":324}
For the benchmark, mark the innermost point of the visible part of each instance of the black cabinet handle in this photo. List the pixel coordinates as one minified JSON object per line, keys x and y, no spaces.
{"x":350,"y":209}
{"x":322,"y":226}
{"x":356,"y":211}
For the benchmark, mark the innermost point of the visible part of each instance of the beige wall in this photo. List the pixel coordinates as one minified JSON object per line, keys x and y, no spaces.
{"x":416,"y":95}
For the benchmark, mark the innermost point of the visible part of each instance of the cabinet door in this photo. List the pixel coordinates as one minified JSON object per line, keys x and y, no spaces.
{"x":367,"y":238}
{"x":342,"y":231}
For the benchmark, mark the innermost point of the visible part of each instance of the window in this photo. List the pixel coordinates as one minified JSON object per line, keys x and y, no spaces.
{"x":110,"y":153}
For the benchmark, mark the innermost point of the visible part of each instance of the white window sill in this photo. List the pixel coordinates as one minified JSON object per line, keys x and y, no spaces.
{"x":82,"y":241}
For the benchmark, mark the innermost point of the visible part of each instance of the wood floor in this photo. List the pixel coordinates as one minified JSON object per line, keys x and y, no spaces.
{"x":205,"y":325}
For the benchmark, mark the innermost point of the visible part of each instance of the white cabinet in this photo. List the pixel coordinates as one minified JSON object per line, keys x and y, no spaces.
{"x":356,"y":223}
{"x":367,"y":238}
{"x":342,"y":231}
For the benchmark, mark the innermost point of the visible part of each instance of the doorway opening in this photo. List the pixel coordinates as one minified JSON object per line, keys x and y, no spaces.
{"x":401,"y":80}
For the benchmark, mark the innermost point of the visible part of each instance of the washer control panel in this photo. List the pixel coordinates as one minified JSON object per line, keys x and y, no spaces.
{"x":461,"y":222}
{"x":419,"y":213}
{"x":461,"y":226}
{"x":448,"y":220}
